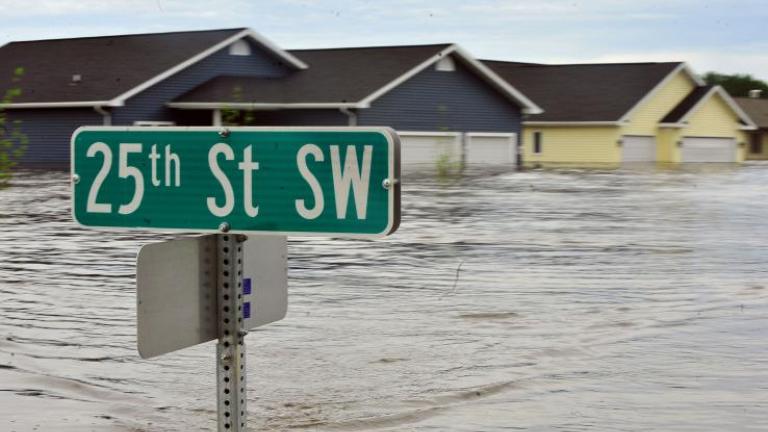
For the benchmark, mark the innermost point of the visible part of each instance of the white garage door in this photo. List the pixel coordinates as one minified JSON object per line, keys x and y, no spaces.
{"x":491,"y":149}
{"x":426,"y":148}
{"x":699,"y":149}
{"x":638,"y":148}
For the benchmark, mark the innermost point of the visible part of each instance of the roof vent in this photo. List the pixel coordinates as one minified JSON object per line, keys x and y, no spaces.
{"x":755,"y":93}
{"x":445,"y":64}
{"x":76,"y":78}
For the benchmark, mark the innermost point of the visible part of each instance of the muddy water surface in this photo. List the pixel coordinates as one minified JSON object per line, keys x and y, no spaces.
{"x":567,"y":300}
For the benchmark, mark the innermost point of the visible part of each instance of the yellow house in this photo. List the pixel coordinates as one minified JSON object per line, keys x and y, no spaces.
{"x":626,"y":112}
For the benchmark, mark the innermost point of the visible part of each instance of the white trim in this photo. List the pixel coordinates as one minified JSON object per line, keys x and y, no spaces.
{"x":429,"y":134}
{"x":120,"y":100}
{"x":672,"y":125}
{"x":56,"y":104}
{"x":571,"y":123}
{"x":151,"y":123}
{"x":681,"y":67}
{"x":528,"y":106}
{"x":105,"y":115}
{"x":257,"y":106}
{"x":490,"y":134}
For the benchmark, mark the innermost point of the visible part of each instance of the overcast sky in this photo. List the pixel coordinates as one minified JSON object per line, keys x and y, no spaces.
{"x":721,"y":35}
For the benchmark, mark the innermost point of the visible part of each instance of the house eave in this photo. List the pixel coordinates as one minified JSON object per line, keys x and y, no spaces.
{"x":261,"y":106}
{"x":571,"y":123}
{"x":72,"y":104}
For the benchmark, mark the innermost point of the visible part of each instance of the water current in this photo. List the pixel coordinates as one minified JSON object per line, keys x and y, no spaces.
{"x":542,"y":300}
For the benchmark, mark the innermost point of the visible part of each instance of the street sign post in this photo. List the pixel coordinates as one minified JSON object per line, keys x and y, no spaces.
{"x":244,"y":183}
{"x":291,"y":181}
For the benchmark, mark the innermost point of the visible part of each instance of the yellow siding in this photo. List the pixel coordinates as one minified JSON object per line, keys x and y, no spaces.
{"x":645,"y":120}
{"x":561,"y":144}
{"x":667,"y":150}
{"x":716,"y":119}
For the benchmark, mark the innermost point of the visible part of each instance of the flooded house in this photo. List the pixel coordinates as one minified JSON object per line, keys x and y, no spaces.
{"x":626,"y":112}
{"x":446,"y":105}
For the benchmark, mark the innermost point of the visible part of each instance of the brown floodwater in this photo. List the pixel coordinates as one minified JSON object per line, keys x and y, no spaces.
{"x":543,"y":300}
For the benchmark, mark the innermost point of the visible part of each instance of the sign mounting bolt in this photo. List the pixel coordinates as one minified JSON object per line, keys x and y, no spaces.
{"x":75,"y":178}
{"x":224,"y":227}
{"x":224,"y":133}
{"x":387,"y":183}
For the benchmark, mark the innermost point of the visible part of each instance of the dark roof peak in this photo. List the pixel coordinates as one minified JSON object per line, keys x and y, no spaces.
{"x":378,"y":47}
{"x":584,"y":92}
{"x":166,"y":33}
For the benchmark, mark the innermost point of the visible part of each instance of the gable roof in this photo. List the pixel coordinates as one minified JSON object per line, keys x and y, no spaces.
{"x":696,"y":99}
{"x":685,"y":106}
{"x":339,"y":77}
{"x":112,"y":68}
{"x":595,"y":93}
{"x":756,"y":109}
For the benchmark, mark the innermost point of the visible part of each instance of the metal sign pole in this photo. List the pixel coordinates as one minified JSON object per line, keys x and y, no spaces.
{"x":230,"y":351}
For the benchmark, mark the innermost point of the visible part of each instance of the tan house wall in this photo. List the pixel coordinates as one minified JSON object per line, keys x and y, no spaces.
{"x":573,"y":144}
{"x":716,"y":119}
{"x":645,"y":120}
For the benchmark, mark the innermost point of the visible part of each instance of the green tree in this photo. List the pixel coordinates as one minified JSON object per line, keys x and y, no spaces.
{"x":737,"y":85}
{"x":235,"y":117}
{"x":13,"y":142}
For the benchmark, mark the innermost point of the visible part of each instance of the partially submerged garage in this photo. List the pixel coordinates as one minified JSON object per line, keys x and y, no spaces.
{"x":447,"y":107}
{"x":626,"y":113}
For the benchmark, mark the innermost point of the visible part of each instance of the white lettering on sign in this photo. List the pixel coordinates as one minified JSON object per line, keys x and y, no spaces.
{"x":350,"y":176}
{"x":229,"y":194}
{"x":247,"y":166}
{"x":314,"y":185}
{"x":124,"y":171}
{"x":170,"y":158}
{"x":92,"y":206}
{"x":154,"y":156}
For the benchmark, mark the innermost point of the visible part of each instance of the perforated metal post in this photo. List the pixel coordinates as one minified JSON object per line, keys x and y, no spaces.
{"x":230,"y":351}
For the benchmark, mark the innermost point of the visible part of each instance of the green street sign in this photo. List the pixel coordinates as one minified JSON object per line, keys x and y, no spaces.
{"x":285,"y":181}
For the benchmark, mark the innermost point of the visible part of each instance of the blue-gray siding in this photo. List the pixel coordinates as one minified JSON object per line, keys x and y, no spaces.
{"x":49,"y":131}
{"x":149,"y":105}
{"x":430,"y":101}
{"x":302,"y":117}
{"x":444,"y":101}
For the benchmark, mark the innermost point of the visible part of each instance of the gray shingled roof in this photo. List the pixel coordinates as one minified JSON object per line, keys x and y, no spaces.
{"x":338,"y":75}
{"x":583,"y":92}
{"x":756,"y":109}
{"x":109,"y":65}
{"x":686,"y":104}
